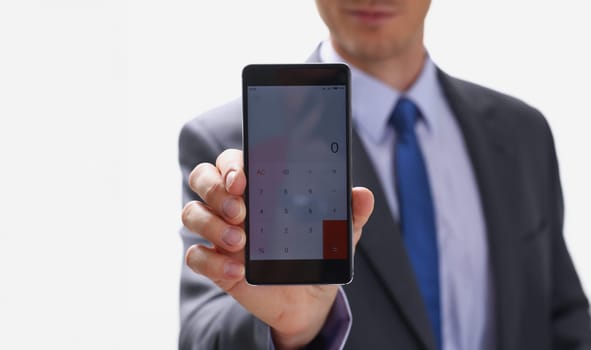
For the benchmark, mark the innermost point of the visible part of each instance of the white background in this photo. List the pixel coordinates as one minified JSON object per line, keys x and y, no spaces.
{"x":93,"y":94}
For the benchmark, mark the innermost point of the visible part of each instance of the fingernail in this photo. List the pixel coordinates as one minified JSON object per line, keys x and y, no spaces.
{"x":230,"y":179}
{"x":189,"y":254}
{"x":233,"y":269}
{"x":231,"y":208}
{"x":232,"y":236}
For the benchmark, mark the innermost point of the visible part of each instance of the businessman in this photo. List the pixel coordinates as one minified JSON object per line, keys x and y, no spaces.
{"x":458,"y":196}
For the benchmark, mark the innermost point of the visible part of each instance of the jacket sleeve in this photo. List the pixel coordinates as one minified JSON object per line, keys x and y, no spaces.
{"x":571,"y":325}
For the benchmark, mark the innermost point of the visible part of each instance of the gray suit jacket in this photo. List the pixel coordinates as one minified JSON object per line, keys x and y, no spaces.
{"x":539,"y":302}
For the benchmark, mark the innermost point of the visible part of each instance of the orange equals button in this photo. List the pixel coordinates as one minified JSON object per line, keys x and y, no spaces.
{"x":334,"y":239}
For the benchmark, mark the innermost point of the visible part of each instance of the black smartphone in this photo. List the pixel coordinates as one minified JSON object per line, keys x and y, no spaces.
{"x":297,"y":159}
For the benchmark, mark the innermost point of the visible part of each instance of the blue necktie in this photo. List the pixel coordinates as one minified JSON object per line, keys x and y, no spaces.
{"x":417,"y":215}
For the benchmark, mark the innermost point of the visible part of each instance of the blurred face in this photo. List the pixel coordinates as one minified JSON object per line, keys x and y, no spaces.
{"x":374,"y":30}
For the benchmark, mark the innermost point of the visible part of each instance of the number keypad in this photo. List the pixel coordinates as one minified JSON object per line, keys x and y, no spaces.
{"x":289,"y":208}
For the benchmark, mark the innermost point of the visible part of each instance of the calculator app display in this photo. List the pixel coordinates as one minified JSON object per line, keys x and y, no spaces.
{"x":297,"y":172}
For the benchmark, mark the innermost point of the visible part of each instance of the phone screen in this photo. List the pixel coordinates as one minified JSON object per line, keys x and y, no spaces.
{"x":297,"y":164}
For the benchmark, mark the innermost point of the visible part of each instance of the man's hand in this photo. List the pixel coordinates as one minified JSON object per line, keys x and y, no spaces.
{"x":295,"y":313}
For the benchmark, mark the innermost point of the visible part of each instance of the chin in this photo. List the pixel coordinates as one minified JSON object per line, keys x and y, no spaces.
{"x":372,"y":50}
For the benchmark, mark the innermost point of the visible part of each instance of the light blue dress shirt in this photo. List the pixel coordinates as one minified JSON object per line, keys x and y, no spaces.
{"x":465,"y":276}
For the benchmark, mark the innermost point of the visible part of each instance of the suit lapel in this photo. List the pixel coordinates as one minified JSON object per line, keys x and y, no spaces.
{"x":383,"y":247}
{"x":494,"y":167}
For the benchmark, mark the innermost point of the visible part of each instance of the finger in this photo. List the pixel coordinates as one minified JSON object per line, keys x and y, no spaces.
{"x":231,"y":166}
{"x":222,"y":270}
{"x":362,"y":202}
{"x":198,"y":218}
{"x":207,"y":182}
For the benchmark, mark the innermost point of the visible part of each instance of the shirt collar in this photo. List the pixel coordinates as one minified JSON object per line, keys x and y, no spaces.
{"x":373,"y":100}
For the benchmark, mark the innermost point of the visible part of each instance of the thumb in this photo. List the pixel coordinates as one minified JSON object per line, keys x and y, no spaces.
{"x":362,"y":202}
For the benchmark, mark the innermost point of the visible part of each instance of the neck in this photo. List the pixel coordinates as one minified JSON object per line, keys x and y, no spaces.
{"x":398,"y":71}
